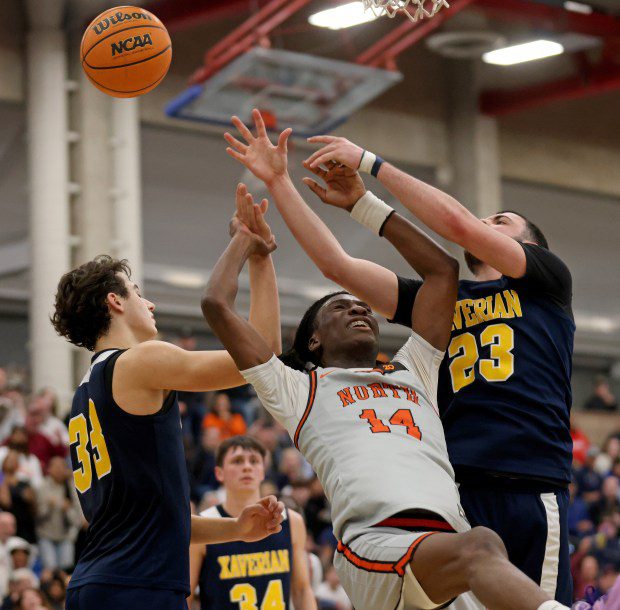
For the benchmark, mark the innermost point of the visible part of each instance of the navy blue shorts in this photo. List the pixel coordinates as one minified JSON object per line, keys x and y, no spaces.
{"x":106,"y":597}
{"x":534,"y":528}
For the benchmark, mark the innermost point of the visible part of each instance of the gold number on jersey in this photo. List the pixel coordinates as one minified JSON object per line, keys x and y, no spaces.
{"x":464,"y":352}
{"x":245,"y":595}
{"x":80,"y":436}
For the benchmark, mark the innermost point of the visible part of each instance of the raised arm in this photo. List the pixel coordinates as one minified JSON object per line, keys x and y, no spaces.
{"x":157,"y":365}
{"x":374,"y":284}
{"x":437,"y":210}
{"x":245,"y":345}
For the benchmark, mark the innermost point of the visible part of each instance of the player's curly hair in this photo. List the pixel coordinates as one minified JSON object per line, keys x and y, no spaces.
{"x":299,"y":356}
{"x":80,"y":311}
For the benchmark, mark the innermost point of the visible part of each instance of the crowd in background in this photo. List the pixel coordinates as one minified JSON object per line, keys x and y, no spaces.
{"x":42,"y":527}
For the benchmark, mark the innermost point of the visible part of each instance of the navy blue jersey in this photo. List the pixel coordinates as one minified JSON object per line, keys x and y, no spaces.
{"x":132,"y":482}
{"x":504,"y":385}
{"x":238,"y":575}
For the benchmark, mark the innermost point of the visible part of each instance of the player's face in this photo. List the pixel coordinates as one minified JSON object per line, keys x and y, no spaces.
{"x":139,"y":312}
{"x":241,"y":470}
{"x":345,"y":321}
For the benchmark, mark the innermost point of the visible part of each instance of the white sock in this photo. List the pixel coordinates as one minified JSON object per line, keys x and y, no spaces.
{"x":553,"y":605}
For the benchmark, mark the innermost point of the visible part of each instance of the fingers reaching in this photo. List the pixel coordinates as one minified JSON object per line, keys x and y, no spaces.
{"x":283,"y":140}
{"x":261,"y":130}
{"x":322,"y":139}
{"x":242,"y":129}
{"x":236,"y":144}
{"x":316,"y":188}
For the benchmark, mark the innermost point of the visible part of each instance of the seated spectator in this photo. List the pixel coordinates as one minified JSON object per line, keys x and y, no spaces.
{"x":39,"y":444}
{"x":31,"y":599}
{"x":55,"y":589}
{"x":58,"y":516}
{"x":609,"y":503}
{"x":331,"y":590}
{"x":11,"y":414}
{"x":202,"y":467}
{"x":290,"y":468}
{"x":20,"y":552}
{"x":7,"y":529}
{"x":588,"y":480}
{"x":18,"y":496}
{"x":585,"y":570}
{"x":221,"y":417}
{"x":53,"y":585}
{"x":579,"y":522}
{"x":602,"y":398}
{"x":20,"y":580}
{"x":581,"y":443}
{"x":606,"y":459}
{"x":52,"y":426}
{"x":29,"y":466}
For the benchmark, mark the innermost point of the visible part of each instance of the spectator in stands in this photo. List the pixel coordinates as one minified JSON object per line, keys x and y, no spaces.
{"x":58,"y":516}
{"x":39,"y":444}
{"x":602,"y":398}
{"x":581,"y":443}
{"x":31,"y":599}
{"x":331,"y":590}
{"x":290,"y":468}
{"x":7,"y":529}
{"x":52,"y":426}
{"x":18,"y":496}
{"x":609,"y":503}
{"x":588,"y":480}
{"x":20,"y":580}
{"x":29,"y":466}
{"x":585,"y":570}
{"x":221,"y":417}
{"x":579,"y":522}
{"x":53,"y":585}
{"x":202,"y":467}
{"x":606,"y":459}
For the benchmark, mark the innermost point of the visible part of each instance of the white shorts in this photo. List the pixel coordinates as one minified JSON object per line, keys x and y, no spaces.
{"x":375,"y":571}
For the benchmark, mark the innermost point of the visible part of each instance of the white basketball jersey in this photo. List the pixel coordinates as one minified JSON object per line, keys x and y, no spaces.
{"x":373,"y":436}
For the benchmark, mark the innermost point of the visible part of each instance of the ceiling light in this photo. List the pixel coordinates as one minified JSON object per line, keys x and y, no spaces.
{"x":578,"y":7}
{"x":521,"y":53}
{"x":344,"y":16}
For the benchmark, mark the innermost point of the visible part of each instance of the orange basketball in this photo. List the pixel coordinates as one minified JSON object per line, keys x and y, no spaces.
{"x":126,"y":51}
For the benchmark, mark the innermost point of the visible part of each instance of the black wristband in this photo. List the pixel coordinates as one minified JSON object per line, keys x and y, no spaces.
{"x":377,"y":166}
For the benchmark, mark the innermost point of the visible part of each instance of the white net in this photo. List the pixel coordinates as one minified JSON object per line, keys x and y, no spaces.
{"x":414,"y":9}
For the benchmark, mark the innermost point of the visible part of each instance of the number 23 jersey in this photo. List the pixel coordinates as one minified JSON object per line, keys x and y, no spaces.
{"x":504,"y":385}
{"x":373,"y":436}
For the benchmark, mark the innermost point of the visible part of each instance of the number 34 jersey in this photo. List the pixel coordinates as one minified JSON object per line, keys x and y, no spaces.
{"x":373,"y":436}
{"x":130,"y":474}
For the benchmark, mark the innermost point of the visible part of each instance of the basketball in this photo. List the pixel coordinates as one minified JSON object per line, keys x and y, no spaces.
{"x":126,"y":51}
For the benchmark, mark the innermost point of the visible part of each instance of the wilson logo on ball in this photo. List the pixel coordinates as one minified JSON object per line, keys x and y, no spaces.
{"x":117,"y":18}
{"x":129,"y":44}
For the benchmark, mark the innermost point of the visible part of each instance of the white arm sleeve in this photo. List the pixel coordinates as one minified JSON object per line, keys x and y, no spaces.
{"x":282,"y":390}
{"x":423,"y":360}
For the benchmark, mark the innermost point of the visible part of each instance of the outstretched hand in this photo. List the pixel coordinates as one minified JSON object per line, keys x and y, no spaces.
{"x":260,"y":520}
{"x":343,"y":185}
{"x":249,"y":220}
{"x":266,"y":161}
{"x":335,"y":149}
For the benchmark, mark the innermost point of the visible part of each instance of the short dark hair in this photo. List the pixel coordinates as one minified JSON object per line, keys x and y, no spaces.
{"x":81,"y":313}
{"x":300,"y":354}
{"x":244,"y":442}
{"x":535,"y":234}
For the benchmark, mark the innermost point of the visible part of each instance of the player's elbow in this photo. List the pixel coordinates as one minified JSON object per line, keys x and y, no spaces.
{"x":457,"y":225}
{"x":213,"y":307}
{"x":451,"y":267}
{"x":335,"y":270}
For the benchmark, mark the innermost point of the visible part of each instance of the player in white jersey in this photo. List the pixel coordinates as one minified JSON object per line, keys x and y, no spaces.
{"x":373,"y":435}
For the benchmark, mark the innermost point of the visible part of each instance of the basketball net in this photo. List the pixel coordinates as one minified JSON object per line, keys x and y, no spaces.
{"x":420,"y":9}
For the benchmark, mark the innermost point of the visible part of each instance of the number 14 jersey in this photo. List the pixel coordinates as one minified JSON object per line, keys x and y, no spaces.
{"x":373,"y":436}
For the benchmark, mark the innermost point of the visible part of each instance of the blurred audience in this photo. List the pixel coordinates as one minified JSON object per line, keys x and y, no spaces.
{"x":221,"y":417}
{"x":602,"y":398}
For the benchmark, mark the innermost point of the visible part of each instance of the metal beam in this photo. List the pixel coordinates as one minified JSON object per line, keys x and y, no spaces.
{"x":180,"y":14}
{"x":499,"y":103}
{"x":544,"y":16}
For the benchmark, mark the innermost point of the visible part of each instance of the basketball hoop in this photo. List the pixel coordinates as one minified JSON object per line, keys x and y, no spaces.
{"x":421,"y":9}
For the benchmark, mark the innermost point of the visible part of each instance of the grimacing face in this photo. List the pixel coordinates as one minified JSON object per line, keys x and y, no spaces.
{"x":345,"y":322}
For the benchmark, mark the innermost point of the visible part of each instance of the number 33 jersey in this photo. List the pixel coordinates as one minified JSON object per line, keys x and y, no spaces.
{"x":373,"y":436}
{"x":130,"y":474}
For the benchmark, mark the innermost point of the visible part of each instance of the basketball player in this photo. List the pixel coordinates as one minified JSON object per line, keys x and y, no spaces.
{"x":513,"y":478}
{"x":265,"y":574}
{"x":126,"y":441}
{"x":373,"y":435}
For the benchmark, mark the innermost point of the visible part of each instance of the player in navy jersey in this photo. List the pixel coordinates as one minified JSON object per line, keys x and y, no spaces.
{"x":265,"y":574}
{"x":504,"y":390}
{"x":125,"y":434}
